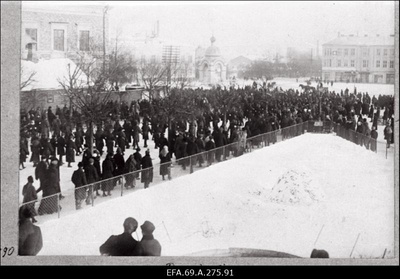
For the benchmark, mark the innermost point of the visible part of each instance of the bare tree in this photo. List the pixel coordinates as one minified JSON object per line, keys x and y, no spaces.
{"x":182,"y":75}
{"x":26,"y":78}
{"x":152,"y":74}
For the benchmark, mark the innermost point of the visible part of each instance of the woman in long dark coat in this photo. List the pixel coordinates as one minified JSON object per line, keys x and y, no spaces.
{"x":108,"y":169}
{"x":51,"y":187}
{"x":165,"y":162}
{"x":130,"y":167}
{"x":61,"y":147}
{"x":147,"y":172}
{"x":23,"y":153}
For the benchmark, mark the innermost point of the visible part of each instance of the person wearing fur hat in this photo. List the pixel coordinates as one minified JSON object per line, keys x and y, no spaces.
{"x":150,"y":245}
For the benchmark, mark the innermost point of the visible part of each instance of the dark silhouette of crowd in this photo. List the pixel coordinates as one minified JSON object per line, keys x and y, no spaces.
{"x":203,"y":125}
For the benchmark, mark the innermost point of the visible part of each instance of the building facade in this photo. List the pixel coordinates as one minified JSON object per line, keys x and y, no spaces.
{"x":211,"y":65}
{"x":359,"y":59}
{"x":62,"y":31}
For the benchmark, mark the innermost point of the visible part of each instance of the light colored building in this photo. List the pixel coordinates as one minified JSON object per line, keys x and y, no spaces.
{"x":61,"y":31}
{"x":236,"y":65}
{"x":366,"y":59}
{"x":211,"y":66}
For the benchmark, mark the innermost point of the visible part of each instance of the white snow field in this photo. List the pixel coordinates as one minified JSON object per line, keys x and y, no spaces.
{"x":312,"y":191}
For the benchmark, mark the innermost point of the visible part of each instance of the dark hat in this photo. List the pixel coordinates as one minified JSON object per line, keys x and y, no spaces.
{"x":80,"y":165}
{"x":148,"y":227}
{"x":319,"y":254}
{"x":138,"y":149}
{"x":148,"y":151}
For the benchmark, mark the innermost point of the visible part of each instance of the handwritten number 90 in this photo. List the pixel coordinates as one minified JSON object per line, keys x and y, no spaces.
{"x":8,"y":251}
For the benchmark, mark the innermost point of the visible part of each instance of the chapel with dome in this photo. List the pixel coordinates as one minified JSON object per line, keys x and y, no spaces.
{"x":210,"y":65}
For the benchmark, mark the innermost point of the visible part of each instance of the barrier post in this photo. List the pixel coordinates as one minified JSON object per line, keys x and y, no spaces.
{"x":58,"y":205}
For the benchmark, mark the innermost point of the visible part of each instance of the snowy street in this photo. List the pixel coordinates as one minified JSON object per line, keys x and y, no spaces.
{"x":263,"y":200}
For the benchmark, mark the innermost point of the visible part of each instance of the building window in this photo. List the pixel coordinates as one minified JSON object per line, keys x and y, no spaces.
{"x":339,"y":52}
{"x":84,"y":40}
{"x":378,"y":51}
{"x":345,"y":63}
{"x":330,"y":63}
{"x":378,"y":63}
{"x":385,"y":52}
{"x":392,"y":51}
{"x":59,"y":39}
{"x":391,"y":64}
{"x":352,"y":64}
{"x":32,"y":33}
{"x":346,"y":51}
{"x":384,"y":64}
{"x":365,"y":63}
{"x":353,"y":51}
{"x":339,"y":63}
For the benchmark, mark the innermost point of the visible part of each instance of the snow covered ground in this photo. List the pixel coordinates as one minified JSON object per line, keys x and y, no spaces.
{"x":276,"y":198}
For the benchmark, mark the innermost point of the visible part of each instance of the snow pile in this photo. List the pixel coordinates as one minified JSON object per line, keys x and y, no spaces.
{"x":296,"y":187}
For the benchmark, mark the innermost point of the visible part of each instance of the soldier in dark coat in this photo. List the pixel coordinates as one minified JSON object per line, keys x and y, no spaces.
{"x":123,"y":244}
{"x":79,"y":180}
{"x":30,"y":240}
{"x":147,"y":170}
{"x":209,"y":146}
{"x":53,"y":143}
{"x":108,"y":170}
{"x":40,"y":171}
{"x":99,"y":140}
{"x":162,"y":141}
{"x":374,"y":136}
{"x":150,"y":245}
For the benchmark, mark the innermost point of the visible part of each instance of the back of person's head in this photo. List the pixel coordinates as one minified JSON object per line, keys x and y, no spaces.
{"x":24,"y":213}
{"x":147,"y":228}
{"x":130,"y":224}
{"x":30,"y":179}
{"x":322,"y":254}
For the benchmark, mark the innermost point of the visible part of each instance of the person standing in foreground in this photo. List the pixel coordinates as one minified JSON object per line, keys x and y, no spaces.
{"x":79,"y":180}
{"x":29,"y":193}
{"x":123,"y":244}
{"x":147,"y":169}
{"x":30,"y":240}
{"x":151,"y":246}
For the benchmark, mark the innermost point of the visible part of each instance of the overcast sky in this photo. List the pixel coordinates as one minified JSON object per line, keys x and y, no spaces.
{"x":255,"y":25}
{"x":251,"y":27}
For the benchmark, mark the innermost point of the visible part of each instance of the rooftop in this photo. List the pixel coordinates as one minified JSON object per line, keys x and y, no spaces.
{"x":362,"y":41}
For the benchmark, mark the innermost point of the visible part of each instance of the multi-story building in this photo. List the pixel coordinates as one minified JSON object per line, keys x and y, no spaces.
{"x":359,"y":59}
{"x":61,"y":31}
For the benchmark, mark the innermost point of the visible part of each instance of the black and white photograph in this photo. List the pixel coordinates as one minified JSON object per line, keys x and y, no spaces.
{"x":225,"y":131}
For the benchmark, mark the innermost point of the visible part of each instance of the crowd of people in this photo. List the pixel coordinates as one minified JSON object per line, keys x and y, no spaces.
{"x":258,"y":111}
{"x":49,"y":136}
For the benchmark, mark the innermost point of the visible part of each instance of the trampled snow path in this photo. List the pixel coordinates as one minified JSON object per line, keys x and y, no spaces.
{"x":229,"y":205}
